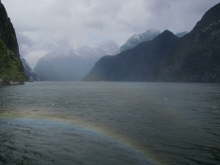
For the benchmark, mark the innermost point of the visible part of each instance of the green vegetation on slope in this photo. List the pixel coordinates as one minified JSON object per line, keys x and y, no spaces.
{"x":10,"y":66}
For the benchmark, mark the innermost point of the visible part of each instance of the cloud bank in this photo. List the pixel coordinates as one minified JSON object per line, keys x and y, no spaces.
{"x":43,"y":25}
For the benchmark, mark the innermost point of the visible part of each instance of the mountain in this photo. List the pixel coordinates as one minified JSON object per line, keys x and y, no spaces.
{"x":181,"y":34}
{"x":61,"y":65}
{"x":138,"y":64}
{"x":197,"y":57}
{"x":136,"y":39}
{"x":11,"y":69}
{"x":28,"y":71}
{"x":68,"y":67}
{"x":194,"y":57}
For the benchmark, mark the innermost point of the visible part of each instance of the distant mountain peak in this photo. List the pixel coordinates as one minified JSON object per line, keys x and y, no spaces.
{"x":193,"y":58}
{"x":166,"y":35}
{"x":136,"y":39}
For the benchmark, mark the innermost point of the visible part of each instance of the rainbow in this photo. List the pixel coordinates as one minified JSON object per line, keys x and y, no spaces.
{"x":82,"y":124}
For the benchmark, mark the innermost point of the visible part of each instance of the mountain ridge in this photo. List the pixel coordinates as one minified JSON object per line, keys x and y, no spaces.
{"x":127,"y":58}
{"x":191,"y":58}
{"x":136,"y":39}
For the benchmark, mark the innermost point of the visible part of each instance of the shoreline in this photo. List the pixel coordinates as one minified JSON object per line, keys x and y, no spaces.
{"x":10,"y":83}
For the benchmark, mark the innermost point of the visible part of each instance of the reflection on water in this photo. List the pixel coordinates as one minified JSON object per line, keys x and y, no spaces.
{"x":110,"y":123}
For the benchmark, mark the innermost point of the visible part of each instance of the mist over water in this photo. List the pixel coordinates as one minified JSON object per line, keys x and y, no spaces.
{"x":110,"y":123}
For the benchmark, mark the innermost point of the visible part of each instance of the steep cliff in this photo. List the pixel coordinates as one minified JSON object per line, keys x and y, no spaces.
{"x":143,"y":63}
{"x":11,"y":69}
{"x":194,"y":58}
{"x":197,"y":57}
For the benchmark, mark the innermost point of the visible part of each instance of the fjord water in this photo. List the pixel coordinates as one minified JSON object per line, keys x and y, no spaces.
{"x":104,"y":123}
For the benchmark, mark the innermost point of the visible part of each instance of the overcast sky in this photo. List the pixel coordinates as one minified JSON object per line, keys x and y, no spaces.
{"x":44,"y":24}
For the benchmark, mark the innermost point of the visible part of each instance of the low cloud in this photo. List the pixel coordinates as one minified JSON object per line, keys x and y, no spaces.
{"x":47,"y":23}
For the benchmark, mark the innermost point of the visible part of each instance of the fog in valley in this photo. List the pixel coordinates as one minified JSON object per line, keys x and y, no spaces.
{"x":63,"y":41}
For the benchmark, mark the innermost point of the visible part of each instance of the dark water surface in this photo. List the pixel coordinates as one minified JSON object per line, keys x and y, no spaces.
{"x":80,"y":123}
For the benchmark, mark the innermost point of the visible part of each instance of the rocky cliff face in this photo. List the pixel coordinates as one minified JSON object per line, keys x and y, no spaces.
{"x":142,"y":63}
{"x":197,"y":57}
{"x":11,"y":69}
{"x":194,"y":57}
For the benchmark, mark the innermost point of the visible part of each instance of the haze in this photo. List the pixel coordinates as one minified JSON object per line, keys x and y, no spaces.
{"x":47,"y":25}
